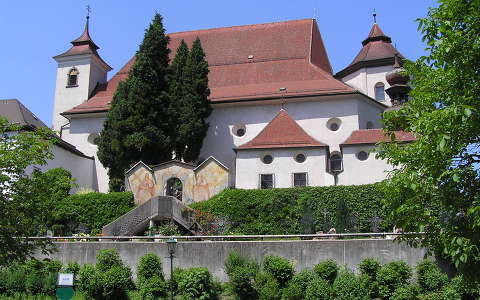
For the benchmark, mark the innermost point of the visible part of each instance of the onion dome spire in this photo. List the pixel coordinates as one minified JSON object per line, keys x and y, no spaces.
{"x":85,"y":38}
{"x":398,"y":80}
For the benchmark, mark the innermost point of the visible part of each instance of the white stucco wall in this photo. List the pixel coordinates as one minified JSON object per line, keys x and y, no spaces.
{"x":77,"y":134}
{"x":90,"y":72}
{"x":368,"y":113}
{"x":250,"y":166}
{"x":358,"y":172}
{"x":365,"y":79}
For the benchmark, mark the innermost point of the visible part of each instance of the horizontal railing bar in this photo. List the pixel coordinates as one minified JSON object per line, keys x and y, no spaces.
{"x":227,"y":237}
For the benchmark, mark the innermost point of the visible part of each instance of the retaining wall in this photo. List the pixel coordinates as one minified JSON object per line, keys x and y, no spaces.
{"x":212,"y":254}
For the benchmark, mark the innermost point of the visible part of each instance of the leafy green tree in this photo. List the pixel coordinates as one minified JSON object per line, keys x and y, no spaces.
{"x":190,"y":99}
{"x":435,"y":186}
{"x":137,"y":126}
{"x":23,"y":205}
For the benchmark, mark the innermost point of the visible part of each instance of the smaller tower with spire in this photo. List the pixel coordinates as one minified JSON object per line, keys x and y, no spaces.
{"x":80,"y":69}
{"x":368,"y":69}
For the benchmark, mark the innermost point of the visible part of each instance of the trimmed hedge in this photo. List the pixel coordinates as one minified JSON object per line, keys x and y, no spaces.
{"x":297,"y":210}
{"x":91,"y":211}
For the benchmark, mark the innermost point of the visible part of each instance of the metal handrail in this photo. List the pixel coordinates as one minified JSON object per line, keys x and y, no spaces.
{"x":231,"y":237}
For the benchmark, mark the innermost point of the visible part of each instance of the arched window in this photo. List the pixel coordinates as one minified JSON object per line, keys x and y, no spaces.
{"x":336,"y":165}
{"x":174,"y":188}
{"x":380,"y":91}
{"x":72,"y":77}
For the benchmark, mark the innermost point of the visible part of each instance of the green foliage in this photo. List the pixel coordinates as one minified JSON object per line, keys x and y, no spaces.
{"x":149,"y":266}
{"x":281,"y":211}
{"x":267,"y":286}
{"x":368,"y":269}
{"x":190,"y":106}
{"x":280,"y":268}
{"x":154,"y":287}
{"x":435,"y":186}
{"x":327,"y":270}
{"x":296,"y":288}
{"x":93,"y":210}
{"x":241,"y":271}
{"x":429,"y":276}
{"x":137,"y":124}
{"x":446,"y":293}
{"x":468,"y":289}
{"x":109,"y":279}
{"x":319,"y":289}
{"x":347,"y":287}
{"x":342,"y":216}
{"x":74,"y":268}
{"x":24,"y":210}
{"x":406,"y":292}
{"x":197,"y":284}
{"x":176,"y":278}
{"x":391,"y":276}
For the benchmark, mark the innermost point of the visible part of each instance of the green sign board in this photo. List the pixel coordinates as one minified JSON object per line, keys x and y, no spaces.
{"x":65,"y":293}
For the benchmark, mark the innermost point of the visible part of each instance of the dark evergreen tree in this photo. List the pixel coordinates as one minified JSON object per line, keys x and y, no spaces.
{"x":192,"y":107}
{"x":137,"y":126}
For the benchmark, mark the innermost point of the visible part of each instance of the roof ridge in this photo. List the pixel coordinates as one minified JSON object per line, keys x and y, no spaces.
{"x":240,"y":26}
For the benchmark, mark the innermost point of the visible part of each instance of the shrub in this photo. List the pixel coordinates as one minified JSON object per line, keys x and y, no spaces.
{"x":298,"y":285}
{"x":93,"y":210}
{"x":447,"y":293}
{"x":406,"y":292}
{"x":74,"y":268}
{"x":430,"y":277}
{"x":116,"y":281}
{"x":370,"y":267}
{"x":107,"y":259}
{"x":281,"y":211}
{"x":15,"y":277}
{"x":319,"y":289}
{"x":280,"y":268}
{"x":149,"y":266}
{"x":391,"y":276}
{"x":347,"y":287}
{"x":153,"y":288}
{"x":467,"y":289}
{"x":327,"y":270}
{"x":176,"y":278}
{"x":267,"y":286}
{"x":235,"y":260}
{"x":241,"y":271}
{"x":90,"y":281}
{"x":196,"y":283}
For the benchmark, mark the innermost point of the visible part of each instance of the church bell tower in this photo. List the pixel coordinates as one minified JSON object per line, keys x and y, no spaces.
{"x":79,"y":71}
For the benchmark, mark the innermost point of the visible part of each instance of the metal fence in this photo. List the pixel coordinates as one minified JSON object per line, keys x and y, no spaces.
{"x":159,"y":238}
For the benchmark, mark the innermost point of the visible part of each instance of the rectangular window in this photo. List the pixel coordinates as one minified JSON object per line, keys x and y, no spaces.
{"x":299,"y":179}
{"x":266,"y":181}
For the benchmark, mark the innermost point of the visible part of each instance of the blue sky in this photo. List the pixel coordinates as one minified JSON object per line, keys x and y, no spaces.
{"x":34,"y":31}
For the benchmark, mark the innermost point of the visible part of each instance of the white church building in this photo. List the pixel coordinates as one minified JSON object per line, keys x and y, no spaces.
{"x":280,"y":118}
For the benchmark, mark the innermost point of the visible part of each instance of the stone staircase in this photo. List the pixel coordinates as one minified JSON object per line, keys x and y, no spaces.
{"x":158,"y":208}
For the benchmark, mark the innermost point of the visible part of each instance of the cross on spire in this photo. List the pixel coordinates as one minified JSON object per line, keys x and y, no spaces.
{"x":374,"y":16}
{"x":88,"y":11}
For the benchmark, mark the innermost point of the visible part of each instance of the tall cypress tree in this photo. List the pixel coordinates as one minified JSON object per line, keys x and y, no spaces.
{"x":193,"y":108}
{"x":137,"y":126}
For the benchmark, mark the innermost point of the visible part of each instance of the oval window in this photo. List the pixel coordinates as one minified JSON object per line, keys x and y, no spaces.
{"x":239,"y":130}
{"x":267,"y":159}
{"x":300,"y":158}
{"x":334,"y":124}
{"x":362,"y":155}
{"x":93,"y":138}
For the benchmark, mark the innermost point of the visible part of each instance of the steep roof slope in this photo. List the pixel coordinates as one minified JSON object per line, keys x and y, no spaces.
{"x":250,"y":62}
{"x":377,"y":50}
{"x":281,"y":132}
{"x":15,"y":112}
{"x":373,"y":136}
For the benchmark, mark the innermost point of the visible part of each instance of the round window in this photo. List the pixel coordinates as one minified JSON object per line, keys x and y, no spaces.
{"x":239,"y":130}
{"x":334,"y":124}
{"x":362,"y":155}
{"x":93,"y":138}
{"x":300,"y":158}
{"x":267,"y":159}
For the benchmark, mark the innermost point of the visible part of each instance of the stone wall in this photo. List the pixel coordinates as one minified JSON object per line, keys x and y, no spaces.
{"x":304,"y":254}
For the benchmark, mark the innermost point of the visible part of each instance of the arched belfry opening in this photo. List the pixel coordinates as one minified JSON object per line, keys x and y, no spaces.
{"x":174,"y":188}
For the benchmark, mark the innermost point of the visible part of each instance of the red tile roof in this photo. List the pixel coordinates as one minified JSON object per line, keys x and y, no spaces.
{"x":373,"y":136}
{"x":282,"y":132}
{"x":285,"y":54}
{"x":83,"y":45}
{"x":377,"y":50}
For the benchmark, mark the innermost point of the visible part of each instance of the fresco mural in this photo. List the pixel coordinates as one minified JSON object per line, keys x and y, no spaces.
{"x":197,"y":183}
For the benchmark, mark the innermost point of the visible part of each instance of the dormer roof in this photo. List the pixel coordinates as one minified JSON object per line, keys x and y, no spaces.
{"x":377,"y":51}
{"x":252,"y":62}
{"x":282,"y":132}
